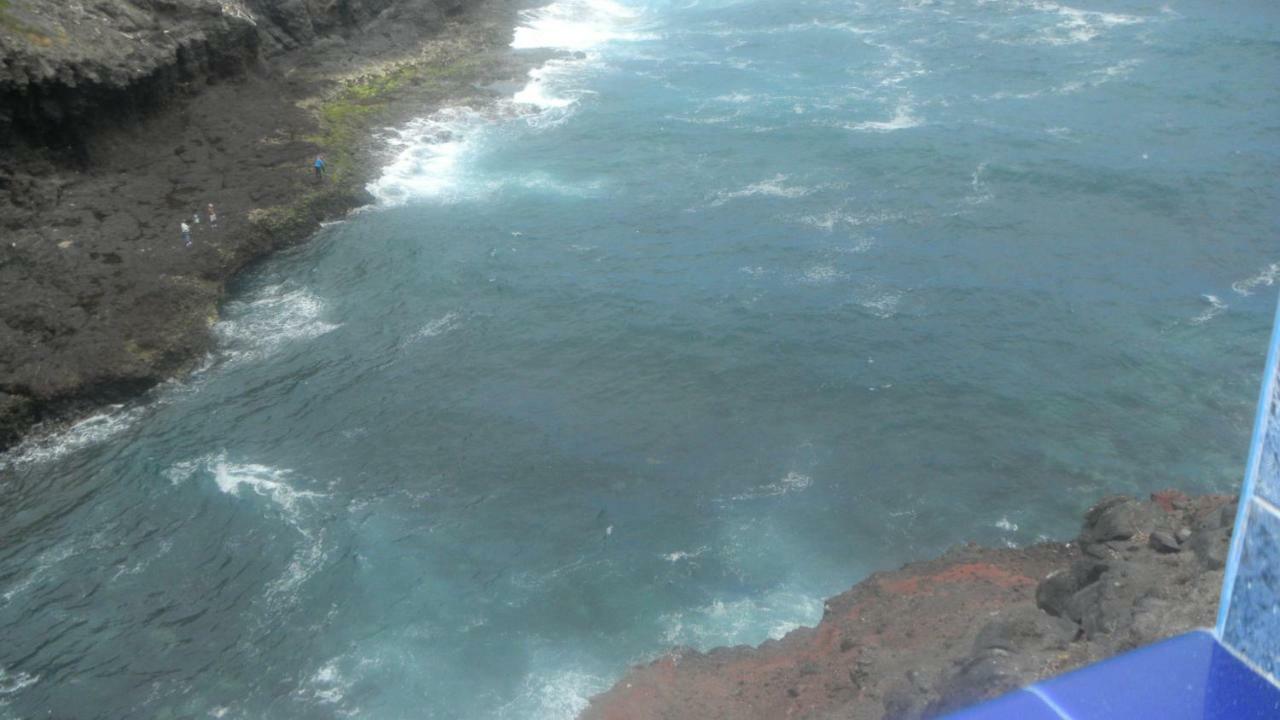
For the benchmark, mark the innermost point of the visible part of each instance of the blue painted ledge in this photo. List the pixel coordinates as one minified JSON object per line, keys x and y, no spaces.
{"x":1188,"y":677}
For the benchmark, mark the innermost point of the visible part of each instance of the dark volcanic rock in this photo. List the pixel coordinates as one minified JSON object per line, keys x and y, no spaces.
{"x":939,"y":635}
{"x":121,"y":118}
{"x":1055,"y":593}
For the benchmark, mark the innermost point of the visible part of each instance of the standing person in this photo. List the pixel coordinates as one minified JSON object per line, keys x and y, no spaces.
{"x":320,"y":166}
{"x":186,"y":233}
{"x":213,"y":215}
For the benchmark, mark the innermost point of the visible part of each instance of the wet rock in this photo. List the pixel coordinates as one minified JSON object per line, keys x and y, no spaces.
{"x":1163,"y":542}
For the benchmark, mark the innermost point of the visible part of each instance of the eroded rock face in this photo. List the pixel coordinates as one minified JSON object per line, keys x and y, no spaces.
{"x":121,"y":118}
{"x":939,"y":635}
{"x":70,"y":66}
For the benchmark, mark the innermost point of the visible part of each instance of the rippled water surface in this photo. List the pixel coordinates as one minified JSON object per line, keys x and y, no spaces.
{"x":744,"y":302}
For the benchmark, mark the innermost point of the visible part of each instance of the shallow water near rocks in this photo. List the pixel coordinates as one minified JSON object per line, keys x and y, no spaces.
{"x":742,"y":303}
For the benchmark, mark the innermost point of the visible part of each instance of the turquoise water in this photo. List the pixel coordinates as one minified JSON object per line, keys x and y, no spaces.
{"x":742,"y":303}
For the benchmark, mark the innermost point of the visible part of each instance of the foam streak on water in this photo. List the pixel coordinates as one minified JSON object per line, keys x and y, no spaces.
{"x":724,"y":307}
{"x":433,"y":152}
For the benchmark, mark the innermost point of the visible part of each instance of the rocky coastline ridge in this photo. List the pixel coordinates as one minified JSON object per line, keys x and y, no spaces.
{"x":119,"y":119}
{"x":935,"y":636}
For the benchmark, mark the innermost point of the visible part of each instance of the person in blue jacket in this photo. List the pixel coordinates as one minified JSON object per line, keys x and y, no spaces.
{"x":319,"y":165}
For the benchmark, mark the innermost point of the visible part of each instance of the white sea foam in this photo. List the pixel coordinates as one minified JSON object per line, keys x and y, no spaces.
{"x":432,"y":154}
{"x":554,"y":695}
{"x":428,"y":155}
{"x":981,"y":191}
{"x":880,"y":302}
{"x":271,"y":483}
{"x":1267,"y":277}
{"x":1077,"y":26}
{"x":43,"y":563}
{"x":577,"y":25}
{"x":327,"y":685}
{"x":1216,"y":308}
{"x":678,"y":555}
{"x":709,"y":120}
{"x":439,"y":326}
{"x":10,"y":684}
{"x":741,"y":621}
{"x":773,"y":187}
{"x":833,"y":219}
{"x":1007,"y":525}
{"x":897,"y":68}
{"x":274,"y":317}
{"x":91,"y":431}
{"x":246,"y":480}
{"x":790,"y":483}
{"x":1092,"y":79}
{"x":903,"y":118}
{"x":815,"y":24}
{"x":822,"y":275}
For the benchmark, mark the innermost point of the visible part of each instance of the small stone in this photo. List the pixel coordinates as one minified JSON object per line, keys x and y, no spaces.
{"x":1184,"y":534}
{"x":1163,"y":542}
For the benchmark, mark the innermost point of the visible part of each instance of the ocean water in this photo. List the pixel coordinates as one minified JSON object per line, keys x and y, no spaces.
{"x":736,"y":304}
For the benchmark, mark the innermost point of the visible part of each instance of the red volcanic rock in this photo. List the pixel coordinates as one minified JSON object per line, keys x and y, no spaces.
{"x":937,"y":635}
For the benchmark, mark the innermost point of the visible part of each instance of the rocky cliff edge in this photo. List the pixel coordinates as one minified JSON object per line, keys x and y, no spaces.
{"x":119,"y":119}
{"x":939,"y":635}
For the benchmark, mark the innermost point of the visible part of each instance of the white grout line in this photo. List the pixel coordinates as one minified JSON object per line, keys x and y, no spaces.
{"x":1265,"y":504}
{"x":1244,"y":660}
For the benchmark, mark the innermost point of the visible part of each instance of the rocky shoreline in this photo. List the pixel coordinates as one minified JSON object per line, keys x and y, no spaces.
{"x":938,"y":635}
{"x":121,"y":120}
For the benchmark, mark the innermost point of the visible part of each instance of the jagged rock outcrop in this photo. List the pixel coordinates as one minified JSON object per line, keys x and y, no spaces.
{"x":121,"y":118}
{"x":68,"y":67}
{"x":939,"y":635}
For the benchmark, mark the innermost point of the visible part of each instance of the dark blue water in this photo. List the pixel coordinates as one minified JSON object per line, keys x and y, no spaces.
{"x":748,"y":301}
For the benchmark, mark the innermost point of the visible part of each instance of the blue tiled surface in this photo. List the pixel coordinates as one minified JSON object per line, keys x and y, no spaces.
{"x":1197,"y":676}
{"x":1268,"y":484}
{"x":1253,"y":621}
{"x":1249,"y":615}
{"x":1189,"y":677}
{"x":1017,"y":705}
